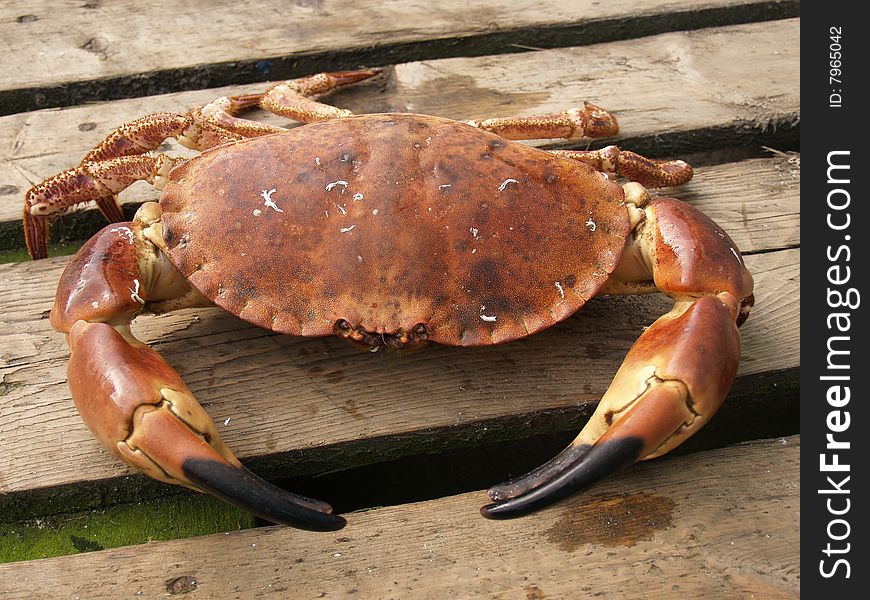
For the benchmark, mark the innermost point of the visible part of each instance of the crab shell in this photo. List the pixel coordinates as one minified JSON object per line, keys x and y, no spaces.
{"x":393,"y":229}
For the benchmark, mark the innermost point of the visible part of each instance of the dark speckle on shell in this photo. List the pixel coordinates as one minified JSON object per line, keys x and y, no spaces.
{"x":393,"y":222}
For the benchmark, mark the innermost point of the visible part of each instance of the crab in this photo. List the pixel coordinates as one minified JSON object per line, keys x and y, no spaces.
{"x":388,"y":230}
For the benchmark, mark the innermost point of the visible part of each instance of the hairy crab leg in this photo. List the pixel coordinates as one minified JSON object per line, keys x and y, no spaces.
{"x":133,"y":401}
{"x":100,"y":181}
{"x":679,"y":371}
{"x":589,"y":121}
{"x":112,"y":166}
{"x":646,"y":171}
{"x":292,"y":99}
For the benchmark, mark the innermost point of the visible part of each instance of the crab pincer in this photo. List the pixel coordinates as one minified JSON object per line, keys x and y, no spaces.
{"x":672,"y":381}
{"x":676,"y":375}
{"x":133,"y":401}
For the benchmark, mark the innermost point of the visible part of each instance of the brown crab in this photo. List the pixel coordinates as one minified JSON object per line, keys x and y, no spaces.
{"x":388,"y":230}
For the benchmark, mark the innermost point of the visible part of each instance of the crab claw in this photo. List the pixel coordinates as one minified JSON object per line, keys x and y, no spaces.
{"x":673,"y":380}
{"x":140,"y":409}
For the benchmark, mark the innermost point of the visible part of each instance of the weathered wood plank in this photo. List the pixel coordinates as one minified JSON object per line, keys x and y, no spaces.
{"x":65,"y":53}
{"x":676,"y":92}
{"x":394,"y":404}
{"x":717,"y":524}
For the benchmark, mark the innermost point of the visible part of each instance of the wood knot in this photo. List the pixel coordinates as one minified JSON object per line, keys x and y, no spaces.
{"x":180,"y":585}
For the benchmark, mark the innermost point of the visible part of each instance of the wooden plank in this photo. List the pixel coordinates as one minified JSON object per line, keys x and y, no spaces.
{"x":348,"y":407}
{"x":672,"y":93}
{"x":717,"y":524}
{"x":64,"y":53}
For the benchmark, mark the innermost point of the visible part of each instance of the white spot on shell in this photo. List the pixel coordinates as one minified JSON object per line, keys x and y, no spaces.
{"x":445,"y":186}
{"x":341,"y":182}
{"x":488,"y":318}
{"x":358,"y":258}
{"x":257,"y":212}
{"x":125,"y":231}
{"x":317,"y":160}
{"x":134,"y":293}
{"x":341,"y":208}
{"x":346,"y":229}
{"x":357,"y":197}
{"x":375,"y":212}
{"x":505,"y":183}
{"x":95,"y":304}
{"x":474,"y":231}
{"x":267,"y":197}
{"x":561,"y":289}
{"x":591,"y":225}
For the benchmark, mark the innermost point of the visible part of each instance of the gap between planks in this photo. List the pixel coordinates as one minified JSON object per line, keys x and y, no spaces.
{"x":62,"y":55}
{"x":718,"y":524}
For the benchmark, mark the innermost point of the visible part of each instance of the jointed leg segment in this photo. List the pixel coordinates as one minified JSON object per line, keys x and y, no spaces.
{"x":632,"y":166}
{"x":576,"y":123}
{"x":292,"y":99}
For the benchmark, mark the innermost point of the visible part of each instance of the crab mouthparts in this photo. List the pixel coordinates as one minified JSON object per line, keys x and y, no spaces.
{"x":402,"y":339}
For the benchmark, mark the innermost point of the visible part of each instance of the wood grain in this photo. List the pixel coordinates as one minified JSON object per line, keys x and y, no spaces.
{"x":717,"y":524}
{"x":63,"y":53}
{"x":696,"y":92}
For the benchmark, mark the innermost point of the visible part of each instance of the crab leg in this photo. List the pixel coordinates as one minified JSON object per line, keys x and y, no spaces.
{"x":678,"y":372}
{"x":100,"y":181}
{"x":292,"y":99}
{"x":645,"y":171}
{"x":130,"y":397}
{"x":589,"y":121}
{"x":112,"y":166}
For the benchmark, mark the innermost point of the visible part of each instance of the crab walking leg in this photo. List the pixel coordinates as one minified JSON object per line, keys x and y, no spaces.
{"x":221,"y":114}
{"x":98,"y":181}
{"x":589,"y":121}
{"x":679,"y":371}
{"x":645,"y":171}
{"x":130,"y":397}
{"x":114,"y":164}
{"x":292,"y":99}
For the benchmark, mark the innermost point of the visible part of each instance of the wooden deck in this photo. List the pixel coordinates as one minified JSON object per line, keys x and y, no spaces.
{"x":410,"y":441}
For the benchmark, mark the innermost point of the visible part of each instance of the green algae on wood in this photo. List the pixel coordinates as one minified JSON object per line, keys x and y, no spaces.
{"x":123,"y":525}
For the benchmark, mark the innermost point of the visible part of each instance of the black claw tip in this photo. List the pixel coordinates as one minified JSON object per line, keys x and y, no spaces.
{"x":535,"y":478}
{"x":566,"y":477}
{"x":241,"y":488}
